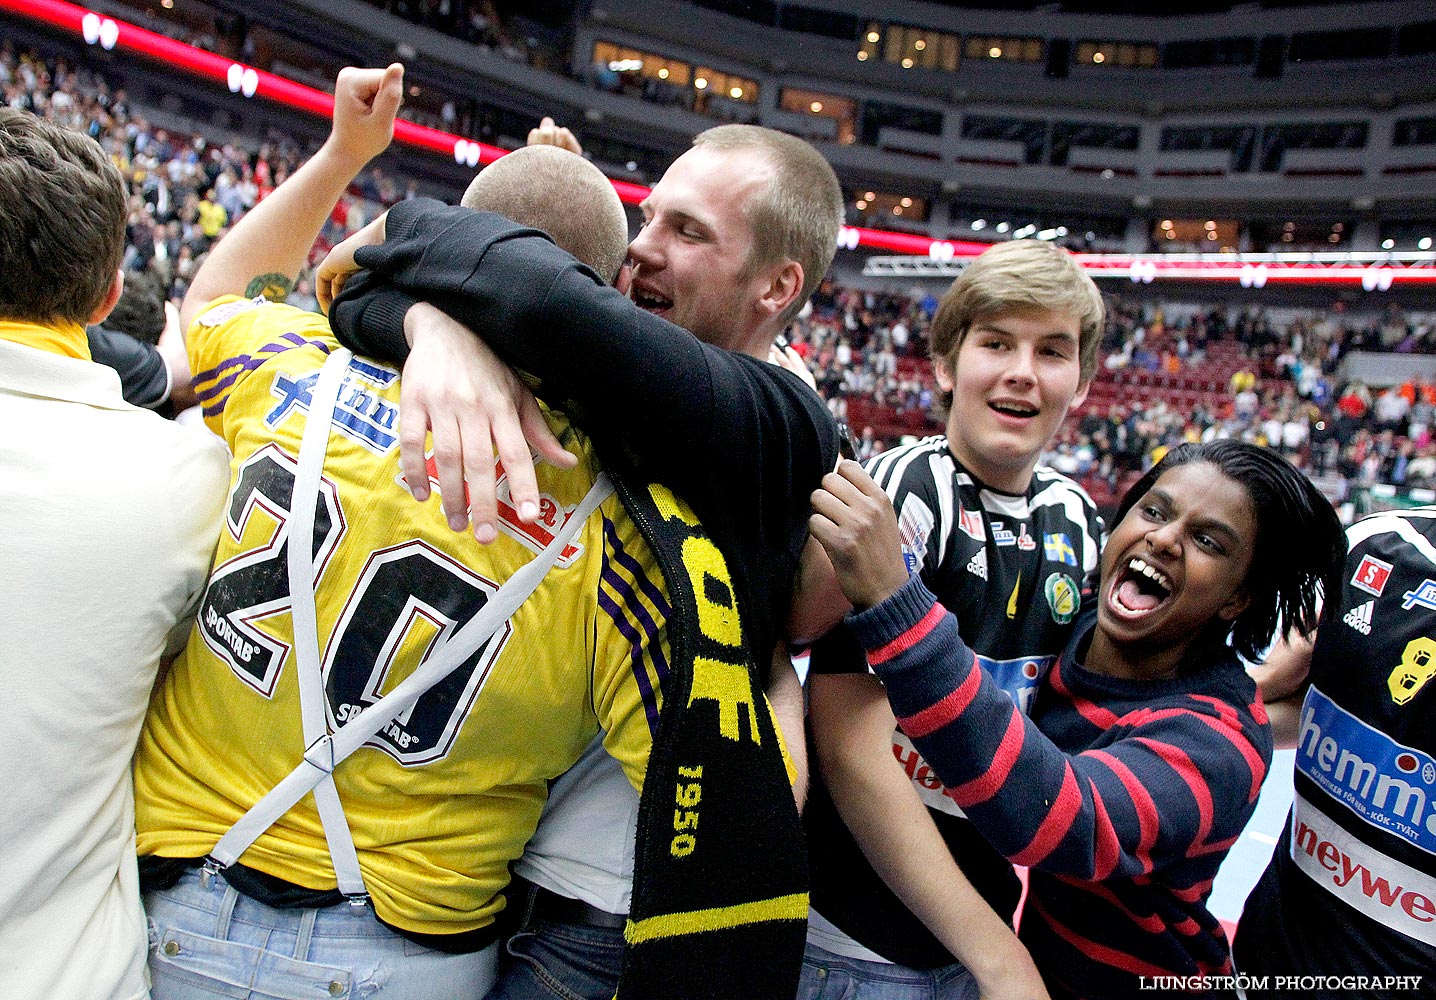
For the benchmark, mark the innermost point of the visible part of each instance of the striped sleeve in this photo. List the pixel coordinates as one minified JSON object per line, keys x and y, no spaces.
{"x":921,"y":490}
{"x":233,"y":336}
{"x":1171,"y":782}
{"x":632,"y":652}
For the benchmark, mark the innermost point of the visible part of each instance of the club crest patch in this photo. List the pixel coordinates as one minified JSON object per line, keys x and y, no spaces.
{"x":1063,"y":597}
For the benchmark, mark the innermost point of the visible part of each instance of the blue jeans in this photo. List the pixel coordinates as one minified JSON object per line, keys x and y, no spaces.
{"x":568,"y":961}
{"x":827,"y":976}
{"x":208,"y":942}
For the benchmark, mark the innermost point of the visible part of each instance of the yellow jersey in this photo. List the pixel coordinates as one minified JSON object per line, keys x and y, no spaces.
{"x":445,"y":796}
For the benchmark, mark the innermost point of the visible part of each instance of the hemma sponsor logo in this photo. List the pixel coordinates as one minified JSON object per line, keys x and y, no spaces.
{"x":1385,"y":783}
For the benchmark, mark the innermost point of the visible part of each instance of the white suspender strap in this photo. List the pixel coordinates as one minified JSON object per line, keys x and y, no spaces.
{"x":305,"y":631}
{"x":313,"y":448}
{"x":326,"y":751}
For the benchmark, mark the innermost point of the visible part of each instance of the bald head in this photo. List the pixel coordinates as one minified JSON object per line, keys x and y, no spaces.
{"x":564,"y":195}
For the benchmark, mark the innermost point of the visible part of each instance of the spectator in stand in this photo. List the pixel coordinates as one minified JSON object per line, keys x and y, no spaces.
{"x":1421,"y":470}
{"x":1272,"y":426}
{"x":866,"y":446}
{"x":302,"y":297}
{"x":900,"y":336}
{"x":119,"y":510}
{"x":1247,"y":403}
{"x":1419,"y":427}
{"x":1416,"y":388}
{"x":1391,"y":409}
{"x":212,"y":216}
{"x":229,"y":194}
{"x":1422,"y":397}
{"x":1354,"y":401}
{"x":1295,"y":432}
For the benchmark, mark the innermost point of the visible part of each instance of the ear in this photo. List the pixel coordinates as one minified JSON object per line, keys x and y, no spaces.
{"x":111,"y":298}
{"x":1081,"y":395}
{"x":942,"y":369}
{"x":1238,"y":603}
{"x":624,"y":279}
{"x":781,"y":287}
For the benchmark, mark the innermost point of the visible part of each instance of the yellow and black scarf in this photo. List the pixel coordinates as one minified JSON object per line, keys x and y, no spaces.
{"x":720,"y":880}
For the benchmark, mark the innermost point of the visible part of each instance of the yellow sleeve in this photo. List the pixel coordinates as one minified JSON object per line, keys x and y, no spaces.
{"x":234,"y":336}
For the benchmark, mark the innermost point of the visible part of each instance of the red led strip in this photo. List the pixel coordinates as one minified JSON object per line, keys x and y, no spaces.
{"x":110,"y":33}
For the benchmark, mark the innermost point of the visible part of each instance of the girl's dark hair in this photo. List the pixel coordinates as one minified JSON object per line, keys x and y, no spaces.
{"x":1300,"y":545}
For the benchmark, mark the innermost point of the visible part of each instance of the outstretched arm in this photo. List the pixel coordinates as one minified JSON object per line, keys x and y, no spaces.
{"x":852,"y":729}
{"x":1173,"y":781}
{"x":272,"y":240}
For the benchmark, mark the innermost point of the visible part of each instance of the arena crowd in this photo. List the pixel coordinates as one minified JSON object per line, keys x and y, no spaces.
{"x":1266,"y":378}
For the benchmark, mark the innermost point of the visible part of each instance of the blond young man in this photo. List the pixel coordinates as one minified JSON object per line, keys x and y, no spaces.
{"x":737,"y":235}
{"x":906,"y":894}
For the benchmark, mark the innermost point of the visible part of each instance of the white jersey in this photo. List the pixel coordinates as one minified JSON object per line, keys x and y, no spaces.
{"x":584,"y":844}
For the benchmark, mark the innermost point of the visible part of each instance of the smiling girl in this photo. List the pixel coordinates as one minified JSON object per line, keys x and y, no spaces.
{"x":1147,"y":743}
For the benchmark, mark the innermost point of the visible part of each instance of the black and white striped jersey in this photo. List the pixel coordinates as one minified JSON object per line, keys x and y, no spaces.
{"x":1014,"y":570}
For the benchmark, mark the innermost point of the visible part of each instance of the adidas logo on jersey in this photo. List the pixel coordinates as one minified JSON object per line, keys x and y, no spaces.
{"x":1359,"y":617}
{"x":977,"y":565}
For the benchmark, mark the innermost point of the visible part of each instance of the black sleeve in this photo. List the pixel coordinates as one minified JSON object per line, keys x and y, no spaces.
{"x":695,"y":416}
{"x":144,"y":379}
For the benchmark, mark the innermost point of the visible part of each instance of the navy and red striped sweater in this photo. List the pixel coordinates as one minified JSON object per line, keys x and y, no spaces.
{"x":1122,"y":796}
